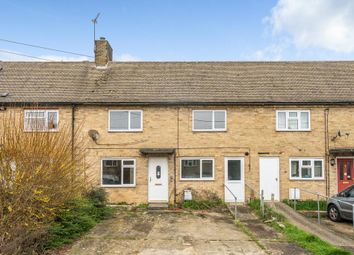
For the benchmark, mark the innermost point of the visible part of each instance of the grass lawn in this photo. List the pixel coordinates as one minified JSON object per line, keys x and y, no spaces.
{"x":293,"y":234}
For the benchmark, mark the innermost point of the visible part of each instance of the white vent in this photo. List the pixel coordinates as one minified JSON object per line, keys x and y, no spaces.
{"x":294,"y":193}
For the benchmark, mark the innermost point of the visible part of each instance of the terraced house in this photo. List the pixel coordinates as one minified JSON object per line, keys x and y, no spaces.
{"x":154,"y":129}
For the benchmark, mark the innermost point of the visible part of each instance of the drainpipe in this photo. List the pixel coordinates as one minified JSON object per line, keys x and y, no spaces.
{"x":174,"y":180}
{"x":326,"y":113}
{"x":72,"y":130}
{"x":175,"y":160}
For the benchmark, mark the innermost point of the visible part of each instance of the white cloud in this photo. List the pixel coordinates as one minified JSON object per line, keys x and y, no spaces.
{"x":272,"y":53}
{"x":5,"y":56}
{"x":325,"y":24}
{"x":126,"y":57}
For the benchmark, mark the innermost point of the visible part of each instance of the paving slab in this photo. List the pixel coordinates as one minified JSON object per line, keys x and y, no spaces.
{"x":344,"y":227}
{"x":273,"y":242}
{"x":166,"y":233}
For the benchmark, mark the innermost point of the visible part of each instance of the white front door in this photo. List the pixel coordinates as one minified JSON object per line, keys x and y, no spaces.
{"x":158,"y":180}
{"x":234,"y":179}
{"x":269,"y":177}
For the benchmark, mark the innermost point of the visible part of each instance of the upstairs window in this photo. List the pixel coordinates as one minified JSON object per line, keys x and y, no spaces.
{"x":41,"y":120}
{"x":306,"y":169}
{"x":125,"y":120}
{"x":293,"y":120}
{"x":209,"y":120}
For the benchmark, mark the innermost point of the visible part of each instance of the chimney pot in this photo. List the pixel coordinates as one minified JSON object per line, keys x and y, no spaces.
{"x":103,"y":52}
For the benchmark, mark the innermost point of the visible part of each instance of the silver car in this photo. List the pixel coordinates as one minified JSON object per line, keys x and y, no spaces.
{"x":340,"y":206}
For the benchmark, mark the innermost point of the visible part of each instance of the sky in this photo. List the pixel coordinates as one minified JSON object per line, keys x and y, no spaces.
{"x":181,"y":30}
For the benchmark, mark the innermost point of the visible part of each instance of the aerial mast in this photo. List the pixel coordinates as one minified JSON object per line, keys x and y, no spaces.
{"x":94,"y":21}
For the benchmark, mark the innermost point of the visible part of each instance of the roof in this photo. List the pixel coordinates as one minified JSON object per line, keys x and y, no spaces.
{"x":178,"y":82}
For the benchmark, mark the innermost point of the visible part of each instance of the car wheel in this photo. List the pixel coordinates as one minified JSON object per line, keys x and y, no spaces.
{"x":333,"y":213}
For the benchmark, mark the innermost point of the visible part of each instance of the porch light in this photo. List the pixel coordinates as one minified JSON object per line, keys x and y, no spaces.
{"x":333,"y":161}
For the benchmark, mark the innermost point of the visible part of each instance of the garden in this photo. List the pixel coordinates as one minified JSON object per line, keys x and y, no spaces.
{"x":45,"y":198}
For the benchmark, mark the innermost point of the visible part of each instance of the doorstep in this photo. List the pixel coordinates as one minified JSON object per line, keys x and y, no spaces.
{"x":158,"y":206}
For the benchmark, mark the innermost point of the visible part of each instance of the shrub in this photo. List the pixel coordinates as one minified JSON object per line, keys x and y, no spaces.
{"x":98,"y":196}
{"x":79,"y":217}
{"x":202,"y":204}
{"x":202,"y":200}
{"x":39,"y":173}
{"x":307,"y":205}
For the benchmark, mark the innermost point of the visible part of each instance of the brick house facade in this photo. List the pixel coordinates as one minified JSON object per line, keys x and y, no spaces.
{"x":156,"y":129}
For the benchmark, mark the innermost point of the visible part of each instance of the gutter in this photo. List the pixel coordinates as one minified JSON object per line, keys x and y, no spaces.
{"x":174,"y":103}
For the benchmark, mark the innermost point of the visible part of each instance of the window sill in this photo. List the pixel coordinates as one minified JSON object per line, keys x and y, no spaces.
{"x":299,"y":130}
{"x":42,"y":131}
{"x":118,"y":186}
{"x":209,"y":131}
{"x":196,"y":179}
{"x":307,"y":179}
{"x":125,"y":131}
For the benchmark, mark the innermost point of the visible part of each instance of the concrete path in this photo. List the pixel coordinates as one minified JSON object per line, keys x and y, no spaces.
{"x":272,"y":241}
{"x":166,"y":233}
{"x":309,"y":226}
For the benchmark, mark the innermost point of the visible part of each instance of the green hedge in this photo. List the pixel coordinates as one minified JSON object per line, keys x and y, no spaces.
{"x":202,"y":204}
{"x":306,"y":205}
{"x":80,"y":216}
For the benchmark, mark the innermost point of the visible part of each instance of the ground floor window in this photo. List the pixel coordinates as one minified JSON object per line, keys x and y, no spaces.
{"x":306,"y":169}
{"x":118,"y":172}
{"x":197,"y":169}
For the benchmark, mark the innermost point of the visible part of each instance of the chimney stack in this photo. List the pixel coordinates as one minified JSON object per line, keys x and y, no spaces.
{"x":103,"y":52}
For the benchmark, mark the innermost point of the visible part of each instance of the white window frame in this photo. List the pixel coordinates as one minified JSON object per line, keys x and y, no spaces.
{"x":287,"y":122}
{"x":46,"y":111}
{"x":312,"y":169}
{"x":129,"y":128}
{"x":119,"y":185}
{"x":200,"y":170}
{"x":213,"y":129}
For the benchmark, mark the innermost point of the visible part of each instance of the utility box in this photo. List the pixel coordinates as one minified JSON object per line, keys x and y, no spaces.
{"x":187,"y":194}
{"x":294,"y":194}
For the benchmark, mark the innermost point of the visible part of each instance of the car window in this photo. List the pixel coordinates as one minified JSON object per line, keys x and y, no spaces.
{"x":343,"y":193}
{"x":351,"y":193}
{"x":340,"y":194}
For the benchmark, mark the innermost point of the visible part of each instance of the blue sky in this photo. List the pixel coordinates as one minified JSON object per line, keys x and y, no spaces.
{"x":183,"y":30}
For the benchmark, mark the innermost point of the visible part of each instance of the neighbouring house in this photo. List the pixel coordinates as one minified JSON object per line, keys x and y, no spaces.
{"x":154,"y":129}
